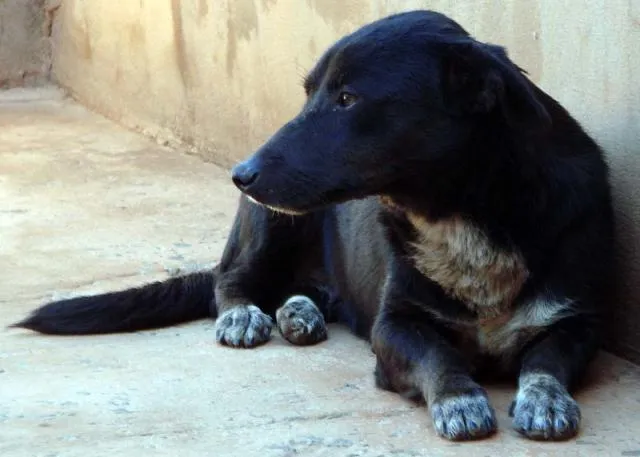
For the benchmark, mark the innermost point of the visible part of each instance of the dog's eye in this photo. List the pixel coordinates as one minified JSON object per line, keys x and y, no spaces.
{"x":346,"y":99}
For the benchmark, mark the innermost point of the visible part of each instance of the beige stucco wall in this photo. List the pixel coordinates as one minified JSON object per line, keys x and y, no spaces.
{"x":221,"y":75}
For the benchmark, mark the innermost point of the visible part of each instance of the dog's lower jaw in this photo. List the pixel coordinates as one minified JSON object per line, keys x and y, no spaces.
{"x":276,"y":209}
{"x":287,"y":211}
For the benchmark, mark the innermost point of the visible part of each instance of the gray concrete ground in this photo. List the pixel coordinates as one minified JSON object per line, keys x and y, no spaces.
{"x":86,"y":206}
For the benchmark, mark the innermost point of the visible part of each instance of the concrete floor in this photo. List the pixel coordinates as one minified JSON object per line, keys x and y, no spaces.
{"x":86,"y":206}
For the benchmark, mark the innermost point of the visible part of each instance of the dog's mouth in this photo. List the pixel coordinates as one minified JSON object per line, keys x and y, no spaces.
{"x":295,"y":194}
{"x":277,"y":209}
{"x":297,"y":204}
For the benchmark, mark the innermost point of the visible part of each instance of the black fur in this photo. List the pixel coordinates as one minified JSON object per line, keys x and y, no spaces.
{"x":447,"y":209}
{"x":154,"y":305}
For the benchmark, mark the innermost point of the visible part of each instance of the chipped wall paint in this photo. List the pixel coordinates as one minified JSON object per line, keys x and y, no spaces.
{"x":222,"y":75}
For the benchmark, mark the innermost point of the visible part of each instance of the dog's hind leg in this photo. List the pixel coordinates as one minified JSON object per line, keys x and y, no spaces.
{"x":259,"y":264}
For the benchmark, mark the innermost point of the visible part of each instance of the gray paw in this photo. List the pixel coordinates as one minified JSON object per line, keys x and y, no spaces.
{"x":243,"y":326}
{"x":464,"y":416}
{"x":300,"y":321}
{"x":544,"y":410}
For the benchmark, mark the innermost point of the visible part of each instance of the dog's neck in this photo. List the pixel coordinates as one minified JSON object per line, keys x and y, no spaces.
{"x":462,"y":259}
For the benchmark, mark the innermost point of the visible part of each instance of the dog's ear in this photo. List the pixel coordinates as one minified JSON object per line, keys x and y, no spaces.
{"x":480,"y":78}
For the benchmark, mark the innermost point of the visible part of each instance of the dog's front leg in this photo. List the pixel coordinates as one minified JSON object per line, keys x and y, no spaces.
{"x":543,"y":408}
{"x":413,"y":359}
{"x":265,"y":251}
{"x":253,"y":272}
{"x":240,"y":322}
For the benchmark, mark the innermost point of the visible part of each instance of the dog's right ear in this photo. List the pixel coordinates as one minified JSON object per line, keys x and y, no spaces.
{"x":480,"y":78}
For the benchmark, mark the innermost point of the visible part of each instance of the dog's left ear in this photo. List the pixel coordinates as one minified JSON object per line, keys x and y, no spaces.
{"x":480,"y":78}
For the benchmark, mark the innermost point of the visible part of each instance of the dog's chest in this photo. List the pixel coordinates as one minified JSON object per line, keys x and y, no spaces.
{"x":506,"y":334}
{"x":463,"y":261}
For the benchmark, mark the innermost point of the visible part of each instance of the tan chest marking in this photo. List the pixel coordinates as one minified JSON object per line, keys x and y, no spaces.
{"x":507,"y":334}
{"x":462,"y":260}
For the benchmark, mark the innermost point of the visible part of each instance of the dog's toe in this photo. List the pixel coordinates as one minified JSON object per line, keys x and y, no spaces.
{"x":243,"y":326}
{"x":300,"y":321}
{"x":544,"y":410}
{"x":464,"y":416}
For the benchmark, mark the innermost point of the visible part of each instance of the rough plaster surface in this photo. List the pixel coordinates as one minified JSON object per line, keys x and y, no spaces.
{"x":25,"y":48}
{"x":220,"y":77}
{"x":87,"y":207}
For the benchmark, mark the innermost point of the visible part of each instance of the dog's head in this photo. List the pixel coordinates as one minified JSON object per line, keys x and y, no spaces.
{"x":385,"y":105}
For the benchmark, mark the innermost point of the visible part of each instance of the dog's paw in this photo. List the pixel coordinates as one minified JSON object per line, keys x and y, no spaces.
{"x":300,"y":321}
{"x":464,"y":416}
{"x":544,"y":410}
{"x":243,"y":326}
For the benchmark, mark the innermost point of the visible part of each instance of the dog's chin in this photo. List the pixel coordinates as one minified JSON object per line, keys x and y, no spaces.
{"x":277,"y":209}
{"x":288,"y":211}
{"x":318,"y":202}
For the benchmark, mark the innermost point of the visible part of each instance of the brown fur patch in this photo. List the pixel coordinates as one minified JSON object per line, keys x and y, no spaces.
{"x":506,"y":334}
{"x":463,"y":261}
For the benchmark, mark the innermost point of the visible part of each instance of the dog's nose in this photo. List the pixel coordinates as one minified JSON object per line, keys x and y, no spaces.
{"x":243,"y":175}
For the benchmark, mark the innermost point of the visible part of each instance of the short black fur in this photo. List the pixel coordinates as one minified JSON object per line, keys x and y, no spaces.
{"x":446,"y":208}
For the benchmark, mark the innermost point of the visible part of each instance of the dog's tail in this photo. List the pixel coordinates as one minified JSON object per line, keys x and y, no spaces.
{"x":154,"y":305}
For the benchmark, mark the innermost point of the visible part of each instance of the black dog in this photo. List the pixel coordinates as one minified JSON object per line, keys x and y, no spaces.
{"x":446,"y":208}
